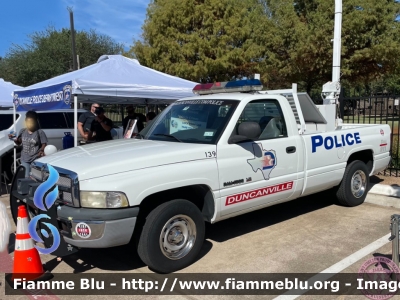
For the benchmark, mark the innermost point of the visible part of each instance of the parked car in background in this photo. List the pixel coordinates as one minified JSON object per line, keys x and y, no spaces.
{"x":54,"y":123}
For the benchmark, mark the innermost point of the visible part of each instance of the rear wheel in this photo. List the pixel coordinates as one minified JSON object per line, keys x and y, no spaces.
{"x":353,"y":189}
{"x":172,"y":236}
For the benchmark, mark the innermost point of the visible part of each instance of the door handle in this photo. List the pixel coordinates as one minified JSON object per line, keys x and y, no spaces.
{"x":291,"y":149}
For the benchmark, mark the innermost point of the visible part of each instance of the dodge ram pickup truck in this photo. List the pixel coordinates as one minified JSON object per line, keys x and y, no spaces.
{"x":205,"y":159}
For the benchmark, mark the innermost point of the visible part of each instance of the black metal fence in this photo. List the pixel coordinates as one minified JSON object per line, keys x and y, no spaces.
{"x":116,"y":112}
{"x":376,"y":109}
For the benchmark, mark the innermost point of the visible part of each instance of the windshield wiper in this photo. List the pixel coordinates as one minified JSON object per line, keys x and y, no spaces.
{"x":169,"y":135}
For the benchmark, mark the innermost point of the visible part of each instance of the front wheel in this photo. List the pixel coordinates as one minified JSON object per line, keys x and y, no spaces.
{"x":353,"y":189}
{"x":172,"y":236}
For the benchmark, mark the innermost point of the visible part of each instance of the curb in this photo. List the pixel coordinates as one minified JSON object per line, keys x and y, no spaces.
{"x":385,"y":190}
{"x":384,"y":195}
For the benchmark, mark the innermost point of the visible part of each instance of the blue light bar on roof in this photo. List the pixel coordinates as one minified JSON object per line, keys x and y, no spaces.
{"x":228,"y":87}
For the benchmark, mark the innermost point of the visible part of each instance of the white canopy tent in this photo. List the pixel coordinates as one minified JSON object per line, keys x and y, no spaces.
{"x":121,"y":80}
{"x":113,"y":79}
{"x":6,"y":90}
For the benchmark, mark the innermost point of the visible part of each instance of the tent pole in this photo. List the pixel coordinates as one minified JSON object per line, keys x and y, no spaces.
{"x":15,"y":129}
{"x":75,"y":120}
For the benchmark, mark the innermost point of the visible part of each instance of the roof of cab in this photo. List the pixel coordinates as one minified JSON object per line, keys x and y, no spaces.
{"x":222,"y":96}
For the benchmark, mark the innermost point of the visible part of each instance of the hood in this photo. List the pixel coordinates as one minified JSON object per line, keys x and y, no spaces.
{"x":111,"y":157}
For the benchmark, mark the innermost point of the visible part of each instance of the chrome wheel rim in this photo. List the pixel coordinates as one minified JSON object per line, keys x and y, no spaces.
{"x":177,"y":237}
{"x":358,"y":184}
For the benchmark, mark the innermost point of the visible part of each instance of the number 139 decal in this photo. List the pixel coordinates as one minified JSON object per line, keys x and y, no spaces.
{"x":211,"y":154}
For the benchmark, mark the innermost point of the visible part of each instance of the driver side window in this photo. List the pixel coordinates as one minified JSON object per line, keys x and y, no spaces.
{"x":261,"y":120}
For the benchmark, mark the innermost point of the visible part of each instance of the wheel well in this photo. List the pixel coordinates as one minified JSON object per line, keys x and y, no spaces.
{"x":200,"y":195}
{"x":365,"y":156}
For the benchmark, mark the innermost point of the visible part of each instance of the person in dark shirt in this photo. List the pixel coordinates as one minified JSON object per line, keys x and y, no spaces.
{"x":33,"y":141}
{"x":150,"y":116}
{"x":100,"y":130}
{"x":132,"y":115}
{"x":85,"y":121}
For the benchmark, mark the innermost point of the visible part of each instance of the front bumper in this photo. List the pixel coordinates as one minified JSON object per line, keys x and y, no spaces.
{"x":107,"y":227}
{"x":79,"y":227}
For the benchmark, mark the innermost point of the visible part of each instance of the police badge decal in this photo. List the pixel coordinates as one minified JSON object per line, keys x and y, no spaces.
{"x":67,"y":90}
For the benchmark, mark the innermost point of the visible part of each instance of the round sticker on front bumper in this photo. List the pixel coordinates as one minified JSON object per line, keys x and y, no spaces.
{"x":83,"y":230}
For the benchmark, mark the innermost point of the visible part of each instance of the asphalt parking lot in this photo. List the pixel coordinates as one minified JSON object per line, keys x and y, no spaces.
{"x":307,"y":235}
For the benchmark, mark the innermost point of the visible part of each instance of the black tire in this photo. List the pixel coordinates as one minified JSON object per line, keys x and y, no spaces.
{"x":356,"y":196}
{"x":157,"y":222}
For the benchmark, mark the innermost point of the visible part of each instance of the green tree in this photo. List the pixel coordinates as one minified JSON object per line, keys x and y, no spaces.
{"x":48,"y":54}
{"x":302,"y":47}
{"x":286,"y":41}
{"x":203,"y":40}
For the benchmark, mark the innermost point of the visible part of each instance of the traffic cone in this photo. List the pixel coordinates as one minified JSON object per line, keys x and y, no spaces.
{"x":27,"y":263}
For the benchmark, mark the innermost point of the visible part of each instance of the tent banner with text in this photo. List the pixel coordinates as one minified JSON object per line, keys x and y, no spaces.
{"x":53,"y":97}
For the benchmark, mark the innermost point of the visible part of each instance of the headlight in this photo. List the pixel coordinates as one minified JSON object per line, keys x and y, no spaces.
{"x":103,"y":200}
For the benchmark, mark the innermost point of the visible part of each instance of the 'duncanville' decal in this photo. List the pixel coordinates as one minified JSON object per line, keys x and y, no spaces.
{"x":250,"y":195}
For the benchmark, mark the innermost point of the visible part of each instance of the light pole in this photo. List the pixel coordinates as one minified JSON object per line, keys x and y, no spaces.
{"x":337,"y":41}
{"x":331,"y":90}
{"x":71,"y":20}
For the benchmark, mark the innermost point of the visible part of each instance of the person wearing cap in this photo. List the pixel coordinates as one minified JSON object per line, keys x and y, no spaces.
{"x":85,"y":121}
{"x":131,"y":116}
{"x":100,"y":129}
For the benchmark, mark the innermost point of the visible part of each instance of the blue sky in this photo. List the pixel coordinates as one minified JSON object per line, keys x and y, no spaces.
{"x":120,"y":19}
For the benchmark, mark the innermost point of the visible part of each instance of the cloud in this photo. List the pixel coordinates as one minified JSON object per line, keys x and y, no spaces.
{"x":121,"y":20}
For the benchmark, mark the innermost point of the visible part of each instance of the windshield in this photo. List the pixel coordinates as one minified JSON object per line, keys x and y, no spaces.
{"x":6,"y":121}
{"x":192,"y":121}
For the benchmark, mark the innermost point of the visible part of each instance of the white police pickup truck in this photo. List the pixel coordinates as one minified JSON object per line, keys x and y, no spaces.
{"x":205,"y":159}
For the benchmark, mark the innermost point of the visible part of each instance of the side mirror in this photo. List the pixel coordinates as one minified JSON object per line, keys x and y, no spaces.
{"x":234,"y":139}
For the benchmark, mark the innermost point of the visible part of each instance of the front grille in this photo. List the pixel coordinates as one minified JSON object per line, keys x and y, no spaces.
{"x":68,"y":190}
{"x":62,"y":180}
{"x":67,"y":197}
